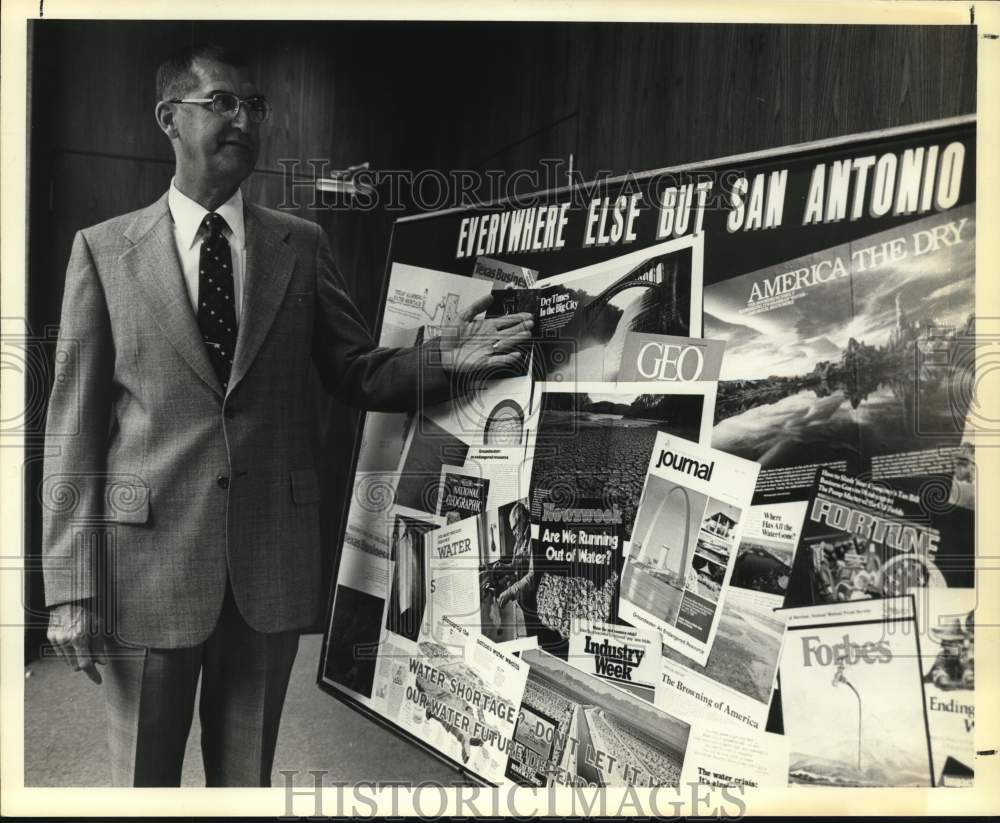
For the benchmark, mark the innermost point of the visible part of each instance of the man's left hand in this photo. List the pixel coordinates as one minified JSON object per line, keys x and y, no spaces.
{"x":482,"y":345}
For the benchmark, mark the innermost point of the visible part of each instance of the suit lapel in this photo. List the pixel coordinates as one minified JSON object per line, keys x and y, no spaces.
{"x":154,"y":264}
{"x":269,"y":265}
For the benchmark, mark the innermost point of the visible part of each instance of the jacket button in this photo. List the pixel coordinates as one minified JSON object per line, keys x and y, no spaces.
{"x":223,"y":481}
{"x":230,"y":413}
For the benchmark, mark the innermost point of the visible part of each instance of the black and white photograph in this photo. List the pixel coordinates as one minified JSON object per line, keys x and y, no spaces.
{"x":832,"y":373}
{"x":852,"y":696}
{"x":594,"y":440}
{"x":603,"y":736}
{"x":861,"y":540}
{"x":332,"y":346}
{"x":746,"y":650}
{"x":585,"y":316}
{"x":357,"y":617}
{"x":767,"y":549}
{"x":462,"y":697}
{"x":507,"y":579}
{"x":763,"y":565}
{"x":692,"y":511}
{"x":428,"y":450}
{"x":714,"y":548}
{"x":408,"y":592}
{"x":946,"y":619}
{"x":740,"y":671}
{"x":577,"y":565}
{"x":661,"y":555}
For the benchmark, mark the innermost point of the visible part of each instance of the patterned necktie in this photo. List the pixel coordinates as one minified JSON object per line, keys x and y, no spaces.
{"x":216,"y":297}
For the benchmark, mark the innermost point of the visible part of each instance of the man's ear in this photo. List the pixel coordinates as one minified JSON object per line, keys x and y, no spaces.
{"x":165,"y":114}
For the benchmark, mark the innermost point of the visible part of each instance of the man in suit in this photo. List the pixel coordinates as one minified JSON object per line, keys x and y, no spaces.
{"x":182,"y":514}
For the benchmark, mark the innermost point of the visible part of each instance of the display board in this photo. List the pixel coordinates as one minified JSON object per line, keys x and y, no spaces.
{"x":744,"y":409}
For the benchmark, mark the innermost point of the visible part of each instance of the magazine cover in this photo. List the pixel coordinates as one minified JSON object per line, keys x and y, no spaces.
{"x":504,"y":275}
{"x":462,"y":697}
{"x":577,"y":730}
{"x":863,"y":540}
{"x":570,"y":575}
{"x":688,"y":525}
{"x":595,"y":439}
{"x":737,"y":681}
{"x":582,"y":317}
{"x":846,"y":357}
{"x":852,"y":695}
{"x":623,"y":655}
{"x":462,"y":494}
{"x":663,"y":357}
{"x":947,"y":624}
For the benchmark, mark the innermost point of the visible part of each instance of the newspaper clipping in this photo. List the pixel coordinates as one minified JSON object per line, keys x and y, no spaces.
{"x":463,"y":697}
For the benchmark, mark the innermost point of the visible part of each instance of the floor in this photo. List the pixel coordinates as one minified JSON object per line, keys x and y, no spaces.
{"x":65,"y":740}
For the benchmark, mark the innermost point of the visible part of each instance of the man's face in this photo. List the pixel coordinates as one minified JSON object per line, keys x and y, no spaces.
{"x":211,"y":148}
{"x":515,"y":522}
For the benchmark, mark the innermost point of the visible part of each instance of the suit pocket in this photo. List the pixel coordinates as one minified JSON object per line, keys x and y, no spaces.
{"x":305,"y":486}
{"x":127,"y":503}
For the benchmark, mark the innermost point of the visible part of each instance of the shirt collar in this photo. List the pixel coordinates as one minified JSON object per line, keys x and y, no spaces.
{"x":188,"y":214}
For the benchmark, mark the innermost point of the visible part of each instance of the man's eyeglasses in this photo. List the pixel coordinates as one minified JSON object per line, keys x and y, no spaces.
{"x":226,"y":104}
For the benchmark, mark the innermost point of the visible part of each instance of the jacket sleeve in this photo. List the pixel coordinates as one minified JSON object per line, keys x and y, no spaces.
{"x":351,"y":365}
{"x":76,"y":434}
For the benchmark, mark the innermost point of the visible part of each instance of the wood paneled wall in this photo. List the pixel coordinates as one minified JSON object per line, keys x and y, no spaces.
{"x":453,"y":96}
{"x":642,"y":97}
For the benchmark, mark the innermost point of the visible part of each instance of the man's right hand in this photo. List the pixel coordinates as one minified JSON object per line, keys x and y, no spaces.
{"x":472,"y":346}
{"x":71,"y":634}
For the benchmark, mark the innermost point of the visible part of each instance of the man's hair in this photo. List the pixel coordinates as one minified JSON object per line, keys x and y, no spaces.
{"x":175,"y":77}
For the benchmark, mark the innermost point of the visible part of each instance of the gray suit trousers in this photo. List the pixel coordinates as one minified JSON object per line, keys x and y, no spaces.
{"x":150,"y":696}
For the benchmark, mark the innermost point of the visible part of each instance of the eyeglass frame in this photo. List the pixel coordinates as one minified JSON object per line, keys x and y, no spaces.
{"x":239,"y":102}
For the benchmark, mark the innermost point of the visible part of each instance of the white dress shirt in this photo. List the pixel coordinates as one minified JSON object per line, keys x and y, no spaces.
{"x":188,"y":234}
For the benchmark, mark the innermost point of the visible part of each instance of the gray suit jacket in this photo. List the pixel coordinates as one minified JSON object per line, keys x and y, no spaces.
{"x":156,"y":481}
